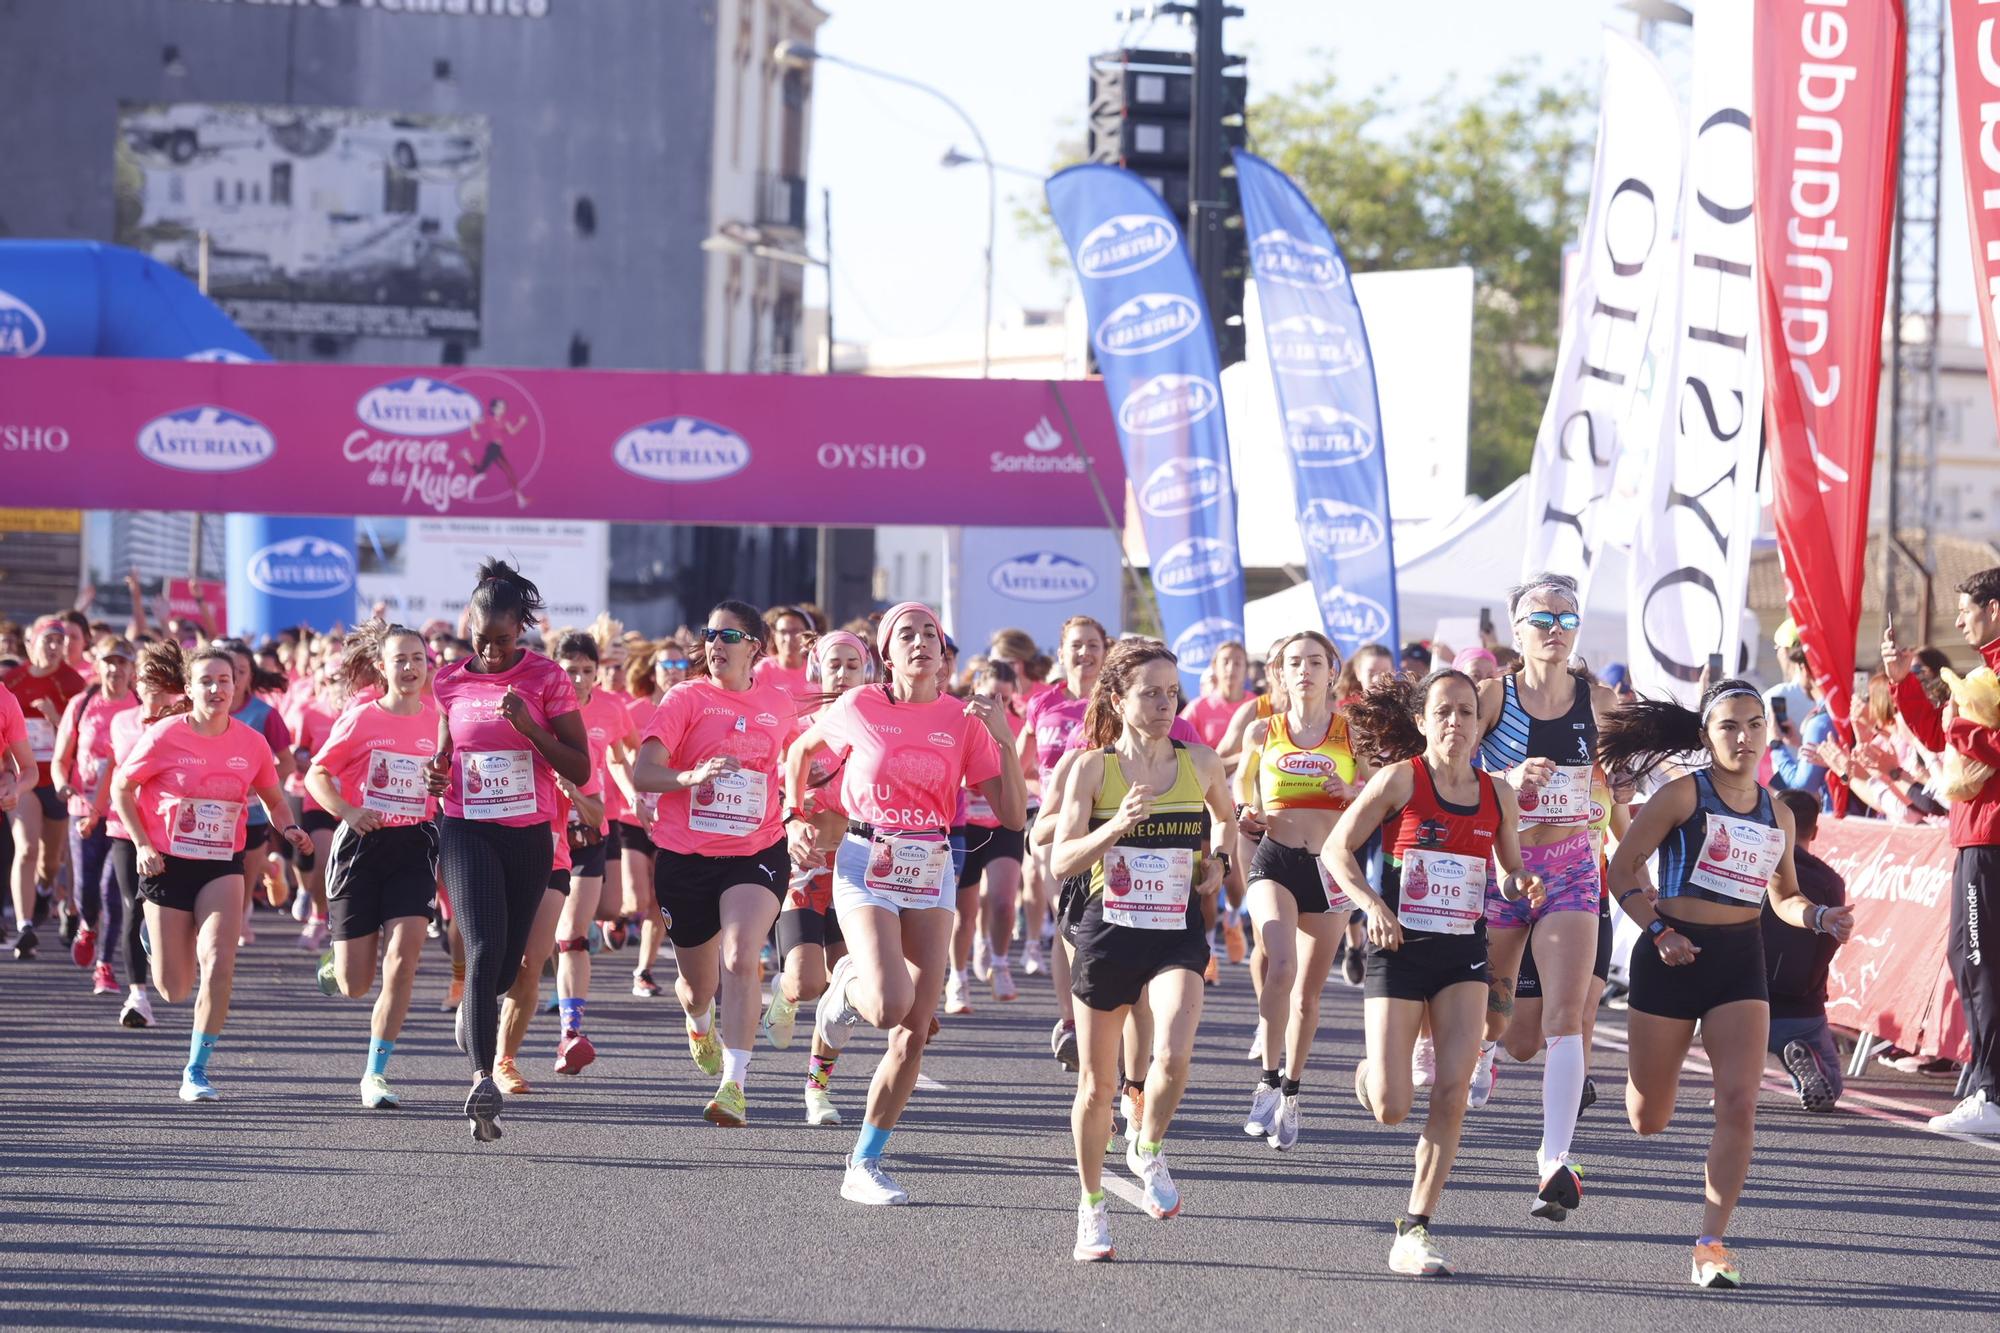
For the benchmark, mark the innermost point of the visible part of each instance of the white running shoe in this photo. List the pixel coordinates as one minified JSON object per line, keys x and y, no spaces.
{"x":833,"y":1010}
{"x":781,"y":1016}
{"x":1416,"y":1254}
{"x":1093,"y":1232}
{"x":955,"y":998}
{"x":1975,"y":1115}
{"x":1031,"y":958}
{"x":301,"y":906}
{"x":1163,"y":1197}
{"x":867,"y":1182}
{"x":309,"y":940}
{"x":1481,"y":1088}
{"x":376,"y":1094}
{"x":1265,"y":1103}
{"x":138,"y":1010}
{"x":982,"y":956}
{"x":820,"y":1109}
{"x":1284,"y":1135}
{"x":1424,"y":1063}
{"x":1004,"y":989}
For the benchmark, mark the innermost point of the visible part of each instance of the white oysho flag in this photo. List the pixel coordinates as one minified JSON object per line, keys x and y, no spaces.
{"x":1690,"y":568}
{"x":1627,"y":259}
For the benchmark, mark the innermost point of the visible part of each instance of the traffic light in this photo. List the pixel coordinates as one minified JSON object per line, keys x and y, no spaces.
{"x":1142,"y":106}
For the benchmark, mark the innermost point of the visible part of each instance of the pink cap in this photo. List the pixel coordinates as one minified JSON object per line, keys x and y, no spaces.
{"x":896,"y":613}
{"x":1470,"y":655}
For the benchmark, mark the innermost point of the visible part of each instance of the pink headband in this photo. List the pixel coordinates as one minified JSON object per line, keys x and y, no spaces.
{"x":839,"y":638}
{"x":895,"y":613}
{"x":1471,"y":655}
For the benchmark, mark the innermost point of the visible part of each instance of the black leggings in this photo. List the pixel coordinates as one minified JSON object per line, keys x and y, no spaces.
{"x":88,"y":855}
{"x":124,"y":861}
{"x":496,"y":875}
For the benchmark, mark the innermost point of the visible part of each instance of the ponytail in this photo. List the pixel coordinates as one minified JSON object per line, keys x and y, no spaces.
{"x":1383,"y":722}
{"x":361,"y":655}
{"x":1639,"y":736}
{"x":1101,"y":723}
{"x":502,"y":591}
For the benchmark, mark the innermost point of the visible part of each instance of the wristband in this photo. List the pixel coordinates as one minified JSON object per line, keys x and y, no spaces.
{"x":1628,"y":893}
{"x":1819,"y":915}
{"x":1222,"y":857}
{"x":1657,"y":927}
{"x":291,"y":828}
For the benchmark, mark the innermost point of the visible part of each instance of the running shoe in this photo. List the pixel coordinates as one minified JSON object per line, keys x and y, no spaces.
{"x":1132,"y":1104}
{"x":1212,"y":974}
{"x":1265,"y":1103}
{"x":705,"y":1048}
{"x":137,"y":1011}
{"x":508,"y":1075}
{"x":1004,"y":989}
{"x":461,"y":1036}
{"x":1416,"y":1253}
{"x":301,"y":906}
{"x":1561,"y":1192}
{"x":593,"y":941}
{"x":24,"y":947}
{"x":1975,"y":1115}
{"x":247,"y":938}
{"x":614,"y":936}
{"x":644,"y":986}
{"x":1093,"y":1232}
{"x":453,"y":996}
{"x":1589,"y":1098}
{"x":1284,"y":1134}
{"x":1815,"y":1092}
{"x":1715,"y":1266}
{"x":1031,"y":957}
{"x":1062,"y":1045}
{"x":726,"y":1108}
{"x":1424,"y":1063}
{"x":329,"y":983}
{"x":309,"y":941}
{"x":781,"y":1019}
{"x":982,"y":956}
{"x":71,"y":925}
{"x":574,"y":1052}
{"x":102,"y":982}
{"x":84,"y":951}
{"x":867,"y":1182}
{"x":552,"y":1005}
{"x":833,"y":1010}
{"x":482,"y":1108}
{"x":1480,"y":1090}
{"x":820,"y":1109}
{"x":1163,"y":1197}
{"x":377,"y":1095}
{"x":195,"y":1087}
{"x":1353,"y":967}
{"x":955,"y":1001}
{"x":1234,"y":946}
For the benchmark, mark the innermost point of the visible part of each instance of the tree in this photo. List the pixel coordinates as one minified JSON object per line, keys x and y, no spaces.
{"x":1494,"y":182}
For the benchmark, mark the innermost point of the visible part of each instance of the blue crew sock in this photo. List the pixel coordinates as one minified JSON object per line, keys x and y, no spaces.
{"x":871,"y":1143}
{"x":572,"y":1014}
{"x":200,"y":1046}
{"x":379,"y":1050}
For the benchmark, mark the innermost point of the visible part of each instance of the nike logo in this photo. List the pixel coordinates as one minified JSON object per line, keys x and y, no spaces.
{"x":1476,"y":966}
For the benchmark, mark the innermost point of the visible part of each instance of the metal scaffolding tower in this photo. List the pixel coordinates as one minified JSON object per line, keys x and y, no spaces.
{"x":1910,"y":556}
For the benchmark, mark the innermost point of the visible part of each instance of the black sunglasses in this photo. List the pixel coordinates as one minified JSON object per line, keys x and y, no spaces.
{"x":728,"y":636}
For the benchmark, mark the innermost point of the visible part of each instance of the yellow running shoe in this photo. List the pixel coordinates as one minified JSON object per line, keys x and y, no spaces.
{"x":706,"y":1048}
{"x":727,"y":1108}
{"x":1715,"y":1266}
{"x":508,"y":1077}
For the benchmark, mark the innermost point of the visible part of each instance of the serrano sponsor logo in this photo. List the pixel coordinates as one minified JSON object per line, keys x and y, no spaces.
{"x":1280,"y":257}
{"x":1351,"y":618}
{"x":303,"y":567}
{"x":1167,"y":403}
{"x":1309,"y":345}
{"x":1192,"y":565}
{"x":1323,"y":436}
{"x":1306,"y":764}
{"x":1146,"y":324}
{"x":33,"y":439}
{"x":1125,"y":244}
{"x":206,"y":439}
{"x":1181,"y":486}
{"x":1042,"y":576}
{"x":1196,"y":645}
{"x":874,"y":457}
{"x":1340,"y":530}
{"x":681,"y":449}
{"x":22,"y":332}
{"x":416,"y":406}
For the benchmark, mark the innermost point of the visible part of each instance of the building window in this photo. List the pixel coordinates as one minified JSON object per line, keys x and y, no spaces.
{"x":221,"y":191}
{"x":176,"y":188}
{"x":399,"y":191}
{"x":281,"y":184}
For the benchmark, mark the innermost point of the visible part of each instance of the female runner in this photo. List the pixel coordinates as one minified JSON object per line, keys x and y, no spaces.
{"x":160,"y":682}
{"x":43,"y":687}
{"x":606,"y":723}
{"x":648,"y":676}
{"x":1149,"y":819}
{"x":82,"y":768}
{"x":249,"y":707}
{"x":1442,"y":823}
{"x":1724,"y":846}
{"x":989,"y":883}
{"x":182,"y":793}
{"x":908,"y":748}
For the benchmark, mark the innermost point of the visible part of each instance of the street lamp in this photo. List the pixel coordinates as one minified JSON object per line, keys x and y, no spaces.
{"x":798,"y":55}
{"x":953,"y":158}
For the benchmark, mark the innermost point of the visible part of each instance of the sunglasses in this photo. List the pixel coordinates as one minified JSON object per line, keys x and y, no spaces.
{"x":1548,"y":620}
{"x":728,"y":636}
{"x":671,"y":664}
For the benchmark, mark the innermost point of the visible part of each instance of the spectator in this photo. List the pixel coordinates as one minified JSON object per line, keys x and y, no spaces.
{"x":1797,"y":961}
{"x":1416,"y":659}
{"x":1618,"y":678}
{"x":1792,"y":689}
{"x":1973,"y":947}
{"x":1798,"y":768}
{"x":1478,"y":663}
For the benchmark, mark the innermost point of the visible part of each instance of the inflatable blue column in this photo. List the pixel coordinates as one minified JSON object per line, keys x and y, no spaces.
{"x":286,"y":571}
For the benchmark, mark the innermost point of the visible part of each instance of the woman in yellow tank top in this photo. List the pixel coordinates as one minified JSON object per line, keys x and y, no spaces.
{"x":1298,"y":774}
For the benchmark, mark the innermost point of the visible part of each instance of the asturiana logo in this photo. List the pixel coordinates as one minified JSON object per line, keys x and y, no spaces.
{"x":22,"y":332}
{"x":1309,"y":345}
{"x":1351,"y":619}
{"x":1192,"y":565}
{"x":1181,"y":486}
{"x":1340,"y":530}
{"x":417,"y":406}
{"x":1197,"y":645}
{"x":1042,"y":576}
{"x":1280,"y":257}
{"x":1146,"y":324}
{"x":221,"y":356}
{"x":1167,"y":403}
{"x":681,"y":449}
{"x":206,"y":439}
{"x":1322,"y":436}
{"x":1125,"y":244}
{"x":303,"y":567}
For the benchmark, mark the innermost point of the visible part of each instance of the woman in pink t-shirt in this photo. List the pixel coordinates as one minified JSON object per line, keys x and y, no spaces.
{"x":791,"y":635}
{"x":712,"y":750}
{"x":651,"y":674}
{"x":906,"y":748}
{"x":1222,"y":693}
{"x":82,"y":767}
{"x":990,"y":880}
{"x":508,"y":725}
{"x":182,"y":793}
{"x":160,"y":682}
{"x":381,"y":863}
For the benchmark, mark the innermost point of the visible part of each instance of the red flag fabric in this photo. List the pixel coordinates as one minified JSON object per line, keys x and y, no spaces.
{"x":1975,"y":57}
{"x":1829,"y":88}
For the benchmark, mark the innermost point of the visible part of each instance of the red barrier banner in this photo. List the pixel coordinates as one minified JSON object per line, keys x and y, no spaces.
{"x":1975,"y":59}
{"x":1829,"y":88}
{"x":1891,"y":978}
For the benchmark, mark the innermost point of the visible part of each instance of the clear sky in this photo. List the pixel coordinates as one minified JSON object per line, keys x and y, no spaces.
{"x":908,"y":232}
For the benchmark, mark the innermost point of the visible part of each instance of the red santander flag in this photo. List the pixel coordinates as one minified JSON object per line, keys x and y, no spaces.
{"x":1828,"y":102}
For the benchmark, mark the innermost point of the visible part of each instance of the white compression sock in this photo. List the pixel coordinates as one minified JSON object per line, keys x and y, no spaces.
{"x":1562,"y":1091}
{"x":735,"y":1065}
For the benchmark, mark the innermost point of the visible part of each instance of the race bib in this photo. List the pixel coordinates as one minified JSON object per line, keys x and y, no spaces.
{"x":498,"y":784}
{"x":1563,"y":799}
{"x":201,"y":830}
{"x":1336,"y":901}
{"x":1443,"y":893}
{"x":909,"y":871}
{"x":396,"y":785}
{"x":1147,"y":888}
{"x":42,"y":737}
{"x":1738,"y":859}
{"x":730,"y":804}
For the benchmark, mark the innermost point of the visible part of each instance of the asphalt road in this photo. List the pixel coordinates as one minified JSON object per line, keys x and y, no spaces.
{"x":611,"y":1203}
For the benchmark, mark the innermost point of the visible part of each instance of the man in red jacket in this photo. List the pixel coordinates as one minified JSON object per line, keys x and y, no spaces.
{"x":1974,"y":945}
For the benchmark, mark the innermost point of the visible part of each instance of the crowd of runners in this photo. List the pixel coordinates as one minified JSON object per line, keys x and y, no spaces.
{"x":845,"y":827}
